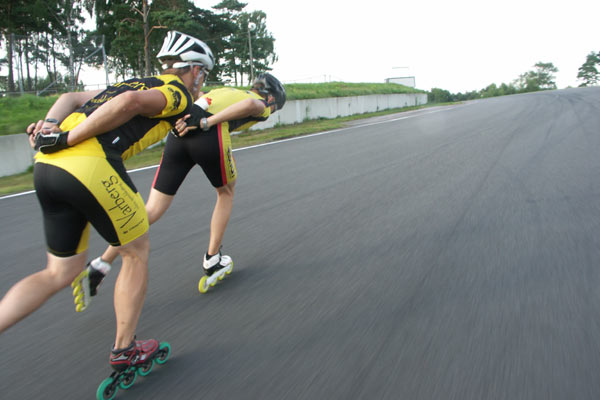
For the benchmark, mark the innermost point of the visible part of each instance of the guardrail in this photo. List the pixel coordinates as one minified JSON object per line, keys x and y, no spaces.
{"x":16,"y":155}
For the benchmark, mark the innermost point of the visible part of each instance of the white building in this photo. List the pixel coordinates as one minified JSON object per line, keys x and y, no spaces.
{"x":403,"y":80}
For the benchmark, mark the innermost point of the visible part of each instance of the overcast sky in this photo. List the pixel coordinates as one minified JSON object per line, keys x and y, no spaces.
{"x":458,"y":45}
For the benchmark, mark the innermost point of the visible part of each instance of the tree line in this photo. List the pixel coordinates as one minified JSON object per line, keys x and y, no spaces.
{"x":49,"y":35}
{"x":540,"y":78}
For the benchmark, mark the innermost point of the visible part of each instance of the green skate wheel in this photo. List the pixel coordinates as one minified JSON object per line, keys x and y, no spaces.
{"x":230,"y":269}
{"x":146,"y":368}
{"x":107,"y":390}
{"x":164,"y":351}
{"x":128,"y":379}
{"x":202,"y":286}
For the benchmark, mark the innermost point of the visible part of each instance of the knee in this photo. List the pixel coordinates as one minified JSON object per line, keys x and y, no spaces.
{"x":227,"y":190}
{"x":61,"y":271}
{"x":136,"y":251}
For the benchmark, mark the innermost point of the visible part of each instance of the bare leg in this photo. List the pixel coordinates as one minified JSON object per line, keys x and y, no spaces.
{"x":130,"y":289}
{"x":220,"y":217}
{"x":32,"y":292}
{"x":156,"y":206}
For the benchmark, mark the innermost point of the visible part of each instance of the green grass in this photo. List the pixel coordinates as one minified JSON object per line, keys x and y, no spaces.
{"x":16,"y":183}
{"x":23,"y":182}
{"x":303,"y":91}
{"x":18,"y":112}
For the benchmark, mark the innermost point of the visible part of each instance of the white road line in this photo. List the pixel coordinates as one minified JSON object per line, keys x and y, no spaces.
{"x":282,"y":141}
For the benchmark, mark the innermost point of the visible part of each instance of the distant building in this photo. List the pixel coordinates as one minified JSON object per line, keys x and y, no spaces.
{"x":403,"y":80}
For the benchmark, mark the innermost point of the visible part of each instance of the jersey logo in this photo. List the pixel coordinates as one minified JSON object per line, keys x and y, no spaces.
{"x":176,"y":98}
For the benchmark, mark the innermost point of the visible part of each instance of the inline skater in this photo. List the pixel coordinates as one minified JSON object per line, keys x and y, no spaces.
{"x":216,"y":114}
{"x":80,"y":179}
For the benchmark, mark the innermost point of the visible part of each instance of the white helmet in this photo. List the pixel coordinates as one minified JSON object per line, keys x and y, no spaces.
{"x":188,"y":49}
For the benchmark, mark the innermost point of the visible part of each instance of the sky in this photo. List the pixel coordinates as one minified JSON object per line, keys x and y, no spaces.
{"x":458,"y":45}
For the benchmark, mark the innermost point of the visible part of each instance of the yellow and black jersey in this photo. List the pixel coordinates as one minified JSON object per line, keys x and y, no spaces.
{"x":136,"y":134}
{"x":210,"y":150}
{"x":219,"y":99}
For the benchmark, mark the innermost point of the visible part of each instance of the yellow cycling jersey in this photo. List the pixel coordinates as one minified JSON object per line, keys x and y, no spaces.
{"x":219,"y":99}
{"x":136,"y":134}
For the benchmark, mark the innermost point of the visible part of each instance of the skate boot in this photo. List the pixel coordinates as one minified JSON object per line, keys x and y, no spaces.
{"x":215,"y":269}
{"x":136,"y":354}
{"x":86,"y":284}
{"x":136,"y":359}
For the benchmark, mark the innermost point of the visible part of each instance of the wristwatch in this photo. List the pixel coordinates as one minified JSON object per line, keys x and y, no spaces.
{"x":52,"y":121}
{"x":204,"y":124}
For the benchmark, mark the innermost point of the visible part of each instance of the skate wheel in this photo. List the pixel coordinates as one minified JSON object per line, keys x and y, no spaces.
{"x":230,"y":269}
{"x":128,"y":379}
{"x":221,"y":277}
{"x":146,"y":368}
{"x":164,"y":351}
{"x":202,"y":286}
{"x":107,"y":390}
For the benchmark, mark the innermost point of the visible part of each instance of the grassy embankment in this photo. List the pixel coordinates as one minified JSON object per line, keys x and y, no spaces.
{"x":16,"y":113}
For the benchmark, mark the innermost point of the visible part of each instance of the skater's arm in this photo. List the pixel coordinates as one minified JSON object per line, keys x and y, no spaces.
{"x":64,"y":105}
{"x":117,"y":112}
{"x":243,"y":109}
{"x":108,"y":116}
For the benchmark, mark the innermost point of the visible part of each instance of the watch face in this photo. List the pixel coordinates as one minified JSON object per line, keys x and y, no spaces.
{"x":52,"y":120}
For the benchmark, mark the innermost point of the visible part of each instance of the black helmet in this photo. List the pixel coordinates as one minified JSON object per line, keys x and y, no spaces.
{"x":268,"y":84}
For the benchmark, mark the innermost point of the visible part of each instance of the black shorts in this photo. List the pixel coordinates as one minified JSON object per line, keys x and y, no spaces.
{"x":210,"y":150}
{"x":76,"y":191}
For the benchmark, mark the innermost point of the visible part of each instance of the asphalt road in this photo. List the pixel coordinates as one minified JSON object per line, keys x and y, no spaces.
{"x":445,"y":254}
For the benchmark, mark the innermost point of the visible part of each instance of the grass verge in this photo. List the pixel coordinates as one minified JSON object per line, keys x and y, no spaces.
{"x":24,"y":182}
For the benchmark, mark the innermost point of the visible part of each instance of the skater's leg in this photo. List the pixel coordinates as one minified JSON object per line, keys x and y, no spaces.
{"x":156,"y":206}
{"x":130,"y":289}
{"x":220,"y":217}
{"x":32,"y":292}
{"x":110,"y":254}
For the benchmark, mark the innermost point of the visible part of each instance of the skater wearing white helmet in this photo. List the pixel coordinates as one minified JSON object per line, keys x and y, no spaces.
{"x":80,"y":180}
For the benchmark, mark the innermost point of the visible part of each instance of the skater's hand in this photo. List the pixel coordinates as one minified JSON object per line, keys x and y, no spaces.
{"x":181,"y":127}
{"x":41,"y":126}
{"x":51,"y":142}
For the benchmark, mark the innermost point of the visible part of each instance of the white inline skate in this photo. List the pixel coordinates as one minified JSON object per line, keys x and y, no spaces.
{"x":215,"y":269}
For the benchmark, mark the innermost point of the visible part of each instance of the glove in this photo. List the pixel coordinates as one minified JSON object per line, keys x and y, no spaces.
{"x":197,"y":114}
{"x":52,"y":142}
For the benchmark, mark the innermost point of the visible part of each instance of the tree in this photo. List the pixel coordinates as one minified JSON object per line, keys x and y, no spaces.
{"x":261,"y":44}
{"x":541,"y":78}
{"x":438,"y":95}
{"x":588,"y":72}
{"x":132,"y":41}
{"x":233,"y":36}
{"x":48,"y":33}
{"x":67,"y":18}
{"x":490,"y":91}
{"x":17,"y":17}
{"x":250,"y":46}
{"x":184,"y":16}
